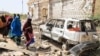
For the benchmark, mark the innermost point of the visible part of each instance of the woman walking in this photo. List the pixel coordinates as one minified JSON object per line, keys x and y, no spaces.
{"x":28,"y":32}
{"x":16,"y":29}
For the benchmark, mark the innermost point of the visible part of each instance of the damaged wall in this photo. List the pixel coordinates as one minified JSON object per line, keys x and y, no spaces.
{"x":72,"y":8}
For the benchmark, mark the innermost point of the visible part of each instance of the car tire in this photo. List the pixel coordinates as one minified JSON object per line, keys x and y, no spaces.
{"x":65,"y":44}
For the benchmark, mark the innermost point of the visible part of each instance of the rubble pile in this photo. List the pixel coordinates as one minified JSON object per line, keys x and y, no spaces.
{"x":55,"y":53}
{"x":15,"y":53}
{"x":9,"y":48}
{"x":47,"y":49}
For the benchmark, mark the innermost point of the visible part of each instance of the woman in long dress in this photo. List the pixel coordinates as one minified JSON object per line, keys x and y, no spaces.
{"x":28,"y":32}
{"x":16,"y":30}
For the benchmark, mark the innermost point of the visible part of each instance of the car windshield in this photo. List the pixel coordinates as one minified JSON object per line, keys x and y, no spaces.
{"x":87,"y":25}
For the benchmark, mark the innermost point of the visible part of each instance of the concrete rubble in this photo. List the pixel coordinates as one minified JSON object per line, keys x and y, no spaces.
{"x":9,"y":48}
{"x":14,"y":50}
{"x":16,"y":53}
{"x":22,"y":52}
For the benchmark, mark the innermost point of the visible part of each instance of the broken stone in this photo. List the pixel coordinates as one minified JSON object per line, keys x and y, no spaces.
{"x":5,"y":54}
{"x":71,"y":55}
{"x":64,"y":53}
{"x":18,"y":53}
{"x":45,"y":44}
{"x":10,"y":43}
{"x":3,"y":44}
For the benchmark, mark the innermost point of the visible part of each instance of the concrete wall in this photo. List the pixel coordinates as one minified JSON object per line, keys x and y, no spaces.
{"x":38,"y":6}
{"x":79,"y":8}
{"x":63,"y":8}
{"x":44,"y":9}
{"x":72,"y":8}
{"x":56,"y":10}
{"x":35,"y":13}
{"x":97,"y":8}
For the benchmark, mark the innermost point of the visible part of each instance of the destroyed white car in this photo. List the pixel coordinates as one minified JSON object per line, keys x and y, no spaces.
{"x":69,"y":30}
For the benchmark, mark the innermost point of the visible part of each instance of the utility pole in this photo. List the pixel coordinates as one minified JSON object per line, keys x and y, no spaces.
{"x":38,"y":10}
{"x":62,"y":8}
{"x":50,"y":16}
{"x":22,"y":6}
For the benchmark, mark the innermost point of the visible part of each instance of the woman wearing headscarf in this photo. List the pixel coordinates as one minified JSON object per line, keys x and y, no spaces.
{"x":3,"y":27}
{"x":16,"y":29}
{"x":28,"y":32}
{"x":10,"y":33}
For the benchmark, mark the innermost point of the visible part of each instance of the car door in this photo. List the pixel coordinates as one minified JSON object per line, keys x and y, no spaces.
{"x":49,"y":25}
{"x":57,"y":30}
{"x":70,"y":32}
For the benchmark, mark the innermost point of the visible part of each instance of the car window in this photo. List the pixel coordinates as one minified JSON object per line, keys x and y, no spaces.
{"x":59,"y":24}
{"x":51,"y":22}
{"x":73,"y":26}
{"x":87,"y":26}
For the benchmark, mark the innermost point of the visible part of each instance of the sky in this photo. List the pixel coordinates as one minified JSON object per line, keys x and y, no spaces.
{"x":14,"y":6}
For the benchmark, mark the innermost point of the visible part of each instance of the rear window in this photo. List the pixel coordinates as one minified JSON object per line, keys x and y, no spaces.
{"x":87,"y":25}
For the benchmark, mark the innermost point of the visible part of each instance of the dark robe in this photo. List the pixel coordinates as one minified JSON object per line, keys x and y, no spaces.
{"x":28,"y":32}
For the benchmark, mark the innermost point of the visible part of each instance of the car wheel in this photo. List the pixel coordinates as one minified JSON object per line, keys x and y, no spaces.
{"x":65,"y":45}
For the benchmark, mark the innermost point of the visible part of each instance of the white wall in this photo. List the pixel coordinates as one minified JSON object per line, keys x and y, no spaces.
{"x":77,"y":8}
{"x":35,"y":12}
{"x":72,"y":8}
{"x":56,"y":10}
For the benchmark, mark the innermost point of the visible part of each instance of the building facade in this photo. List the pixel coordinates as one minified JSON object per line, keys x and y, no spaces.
{"x":72,"y":8}
{"x":48,"y":9}
{"x":39,"y":8}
